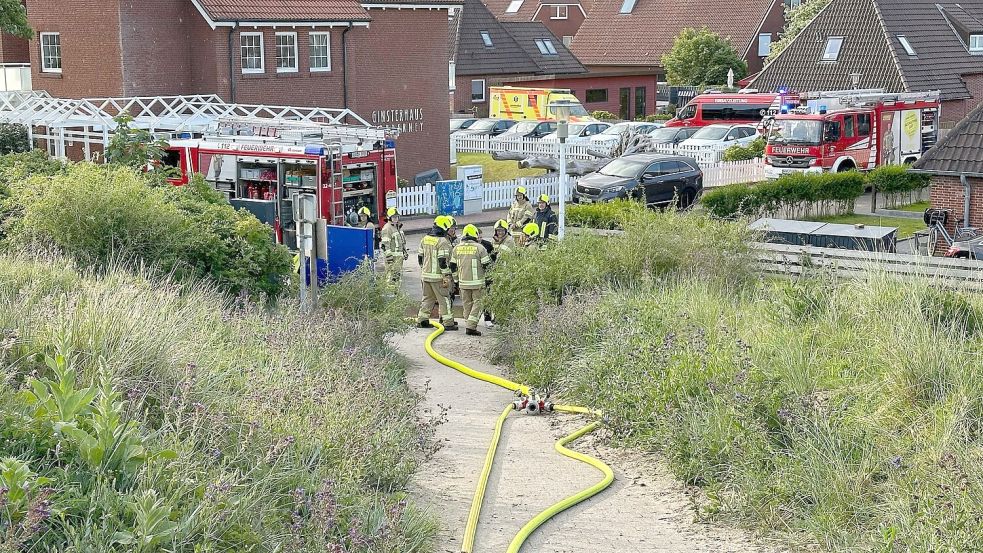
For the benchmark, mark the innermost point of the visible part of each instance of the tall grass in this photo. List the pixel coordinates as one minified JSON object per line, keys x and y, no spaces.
{"x":236,"y":428}
{"x":845,"y":414}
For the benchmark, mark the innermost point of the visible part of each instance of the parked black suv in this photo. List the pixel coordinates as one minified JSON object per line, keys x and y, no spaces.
{"x":655,"y":179}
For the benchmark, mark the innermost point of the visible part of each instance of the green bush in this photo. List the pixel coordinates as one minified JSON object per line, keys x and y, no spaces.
{"x":603,"y":115}
{"x":754,"y":150}
{"x":794,"y":195}
{"x":607,"y":215}
{"x":103,"y":214}
{"x":13,"y":139}
{"x":658,"y":117}
{"x":137,"y":414}
{"x":900,"y":185}
{"x":654,"y":244}
{"x":843,"y":414}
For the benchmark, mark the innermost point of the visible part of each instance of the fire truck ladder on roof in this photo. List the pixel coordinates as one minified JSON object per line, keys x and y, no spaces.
{"x":874,"y":95}
{"x":61,"y":122}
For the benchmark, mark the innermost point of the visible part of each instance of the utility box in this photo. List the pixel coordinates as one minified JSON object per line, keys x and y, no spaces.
{"x":782,"y":231}
{"x":854,"y":237}
{"x":473,"y":178}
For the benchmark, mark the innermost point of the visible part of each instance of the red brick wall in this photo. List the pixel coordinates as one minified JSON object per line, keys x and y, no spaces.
{"x":613,"y":84}
{"x":90,"y":47}
{"x":400,"y":63}
{"x":774,"y":22}
{"x":156,"y":53}
{"x":954,"y":110}
{"x":462,"y":96}
{"x":14,"y":49}
{"x":948,"y":192}
{"x":561,"y":27}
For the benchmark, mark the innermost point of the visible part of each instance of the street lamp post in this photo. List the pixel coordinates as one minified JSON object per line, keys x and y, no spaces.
{"x":561,"y":108}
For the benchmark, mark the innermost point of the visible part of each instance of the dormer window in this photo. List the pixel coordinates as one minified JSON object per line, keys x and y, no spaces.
{"x":906,"y":45}
{"x":627,"y":6}
{"x":832,"y":50}
{"x":976,"y":43}
{"x":486,"y":38}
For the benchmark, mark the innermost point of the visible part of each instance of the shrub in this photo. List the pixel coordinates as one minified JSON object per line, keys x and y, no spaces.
{"x":101,"y":214}
{"x":134,"y":411}
{"x":658,"y":117}
{"x":843,"y":414}
{"x":607,"y":215}
{"x":603,"y":115}
{"x":899,"y":184}
{"x":13,"y":139}
{"x":654,"y":244}
{"x":753,"y":150}
{"x":791,"y":196}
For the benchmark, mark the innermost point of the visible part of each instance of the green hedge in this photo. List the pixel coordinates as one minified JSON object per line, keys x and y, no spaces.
{"x":792,"y":195}
{"x":753,"y":150}
{"x":900,"y":185}
{"x":607,"y":215}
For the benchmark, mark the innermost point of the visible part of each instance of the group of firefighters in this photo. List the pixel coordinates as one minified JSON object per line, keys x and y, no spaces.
{"x":449,"y":262}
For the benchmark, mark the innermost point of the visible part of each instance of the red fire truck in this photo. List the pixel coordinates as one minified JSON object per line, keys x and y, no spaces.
{"x":852,"y":129}
{"x":741,"y":107}
{"x":259,"y":165}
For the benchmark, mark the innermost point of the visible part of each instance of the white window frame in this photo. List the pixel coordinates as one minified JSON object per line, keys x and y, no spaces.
{"x":763,"y":52}
{"x":627,"y":6}
{"x":262,"y":54}
{"x":978,"y":40}
{"x":486,"y":39}
{"x":296,"y":65}
{"x":310,"y":51}
{"x":558,"y":9}
{"x":484,"y":95}
{"x":514,"y":6}
{"x":44,"y":68}
{"x":833,"y":56}
{"x":908,"y":48}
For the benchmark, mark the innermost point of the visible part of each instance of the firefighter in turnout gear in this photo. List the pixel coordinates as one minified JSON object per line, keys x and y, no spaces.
{"x":546,"y":220}
{"x":393,"y":246}
{"x":502,"y":241}
{"x":520,"y":213}
{"x":434,"y":258}
{"x":365,"y":221}
{"x":469,"y":260}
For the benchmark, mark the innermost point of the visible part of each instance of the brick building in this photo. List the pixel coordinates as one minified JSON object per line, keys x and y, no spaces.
{"x":895,"y":45}
{"x":956,"y":166}
{"x":621,"y":42}
{"x":490,"y":53}
{"x":562,"y":17}
{"x":385,"y":59}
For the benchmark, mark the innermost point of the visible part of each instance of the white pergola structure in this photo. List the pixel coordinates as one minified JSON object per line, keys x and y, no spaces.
{"x":91,"y":121}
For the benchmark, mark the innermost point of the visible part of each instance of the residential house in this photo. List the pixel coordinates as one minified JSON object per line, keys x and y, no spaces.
{"x":895,"y":45}
{"x":490,"y":53}
{"x":622,"y":42}
{"x":562,"y":17}
{"x":376,"y":57}
{"x":956,"y":166}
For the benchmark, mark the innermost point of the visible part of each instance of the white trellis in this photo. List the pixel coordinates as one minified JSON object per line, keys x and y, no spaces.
{"x":91,"y":121}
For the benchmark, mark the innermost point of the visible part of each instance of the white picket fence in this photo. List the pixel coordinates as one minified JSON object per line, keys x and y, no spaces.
{"x":416,"y":200}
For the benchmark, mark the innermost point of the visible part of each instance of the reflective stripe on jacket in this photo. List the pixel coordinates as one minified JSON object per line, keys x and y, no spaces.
{"x":393,"y":240}
{"x":433,"y":249}
{"x":471,"y":259}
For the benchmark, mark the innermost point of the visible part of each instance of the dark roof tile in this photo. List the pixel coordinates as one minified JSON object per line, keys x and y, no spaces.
{"x":527,"y":33}
{"x":504,"y":57}
{"x":961,"y":151}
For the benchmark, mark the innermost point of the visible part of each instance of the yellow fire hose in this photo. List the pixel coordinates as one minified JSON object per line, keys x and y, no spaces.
{"x":467,"y":545}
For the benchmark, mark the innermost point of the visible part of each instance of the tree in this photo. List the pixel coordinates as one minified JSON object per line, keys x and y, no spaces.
{"x":700,"y":57}
{"x":796,"y":19}
{"x":13,"y":19}
{"x":134,"y":148}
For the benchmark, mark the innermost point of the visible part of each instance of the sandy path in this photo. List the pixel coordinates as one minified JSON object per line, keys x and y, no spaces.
{"x":645,"y":510}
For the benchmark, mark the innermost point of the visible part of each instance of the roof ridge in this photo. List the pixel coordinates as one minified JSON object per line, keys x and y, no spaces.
{"x":890,"y":47}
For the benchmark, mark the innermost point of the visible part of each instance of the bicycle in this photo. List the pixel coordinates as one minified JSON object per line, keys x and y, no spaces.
{"x":936,"y":220}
